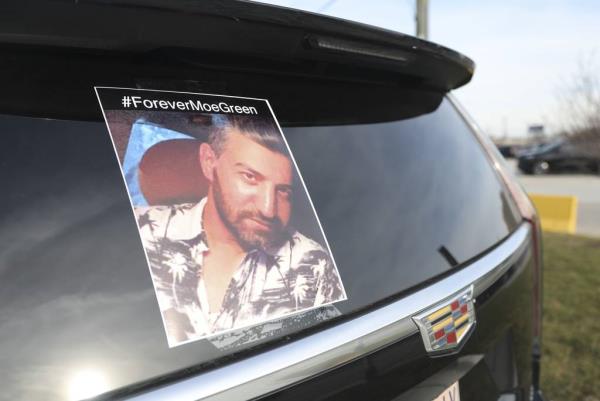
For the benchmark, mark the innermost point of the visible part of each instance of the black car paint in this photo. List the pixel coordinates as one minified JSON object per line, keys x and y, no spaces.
{"x":260,"y":38}
{"x":75,"y":288}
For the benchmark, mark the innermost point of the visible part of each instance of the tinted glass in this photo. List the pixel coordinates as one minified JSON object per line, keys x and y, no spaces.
{"x":401,"y":203}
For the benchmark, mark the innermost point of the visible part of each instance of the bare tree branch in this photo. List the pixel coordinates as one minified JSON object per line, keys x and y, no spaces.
{"x":580,"y":100}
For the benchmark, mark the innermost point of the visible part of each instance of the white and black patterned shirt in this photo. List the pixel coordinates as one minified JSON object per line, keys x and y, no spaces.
{"x":298,"y":276}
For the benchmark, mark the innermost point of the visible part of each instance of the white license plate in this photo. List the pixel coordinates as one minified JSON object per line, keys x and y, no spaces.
{"x":450,"y":394}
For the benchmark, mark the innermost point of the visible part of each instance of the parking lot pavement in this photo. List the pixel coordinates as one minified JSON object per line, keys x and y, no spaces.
{"x":585,"y":187}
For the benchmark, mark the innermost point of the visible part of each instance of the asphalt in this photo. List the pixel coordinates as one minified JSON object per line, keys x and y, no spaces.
{"x":586,"y":187}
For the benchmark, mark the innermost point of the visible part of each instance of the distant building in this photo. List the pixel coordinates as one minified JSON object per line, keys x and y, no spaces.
{"x":536,"y":132}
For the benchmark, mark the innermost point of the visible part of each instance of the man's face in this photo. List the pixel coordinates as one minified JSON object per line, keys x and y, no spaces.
{"x":252,"y":188}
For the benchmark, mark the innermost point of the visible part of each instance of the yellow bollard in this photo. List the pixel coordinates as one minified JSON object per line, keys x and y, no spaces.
{"x":557,"y":213}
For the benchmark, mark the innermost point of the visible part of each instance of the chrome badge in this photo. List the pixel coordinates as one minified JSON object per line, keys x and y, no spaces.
{"x":445,"y":326}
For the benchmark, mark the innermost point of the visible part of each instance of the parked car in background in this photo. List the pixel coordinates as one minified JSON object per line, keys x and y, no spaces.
{"x":508,"y":151}
{"x":558,"y":157}
{"x":437,"y":246}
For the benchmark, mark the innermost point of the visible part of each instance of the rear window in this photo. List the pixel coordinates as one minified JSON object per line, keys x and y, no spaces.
{"x":402,"y":189}
{"x":404,"y":201}
{"x":401,"y":202}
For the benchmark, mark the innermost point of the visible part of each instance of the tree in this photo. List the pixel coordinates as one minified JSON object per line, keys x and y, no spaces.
{"x":581,"y":106}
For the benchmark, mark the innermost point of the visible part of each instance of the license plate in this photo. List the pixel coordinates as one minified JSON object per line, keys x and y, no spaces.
{"x":450,"y":394}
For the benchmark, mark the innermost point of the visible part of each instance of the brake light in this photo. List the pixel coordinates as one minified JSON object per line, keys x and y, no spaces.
{"x":338,"y":45}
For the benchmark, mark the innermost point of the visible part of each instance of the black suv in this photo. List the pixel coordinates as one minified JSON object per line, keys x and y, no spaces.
{"x":558,"y":156}
{"x":438,"y":247}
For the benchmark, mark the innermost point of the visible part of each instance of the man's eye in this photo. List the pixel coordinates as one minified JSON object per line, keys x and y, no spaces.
{"x":249,"y":177}
{"x":286,"y":192}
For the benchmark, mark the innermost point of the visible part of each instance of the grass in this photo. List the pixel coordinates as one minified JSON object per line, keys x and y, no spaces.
{"x":571,"y":331}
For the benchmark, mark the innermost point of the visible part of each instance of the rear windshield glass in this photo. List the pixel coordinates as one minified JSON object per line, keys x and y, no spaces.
{"x":401,"y":203}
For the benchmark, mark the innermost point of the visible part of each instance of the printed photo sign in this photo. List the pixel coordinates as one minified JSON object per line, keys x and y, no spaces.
{"x":230,"y":234}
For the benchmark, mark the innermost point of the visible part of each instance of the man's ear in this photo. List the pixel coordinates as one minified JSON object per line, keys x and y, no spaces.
{"x":208,"y":160}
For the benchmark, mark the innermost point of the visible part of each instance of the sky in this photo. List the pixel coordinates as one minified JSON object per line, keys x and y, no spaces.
{"x":526,"y":52}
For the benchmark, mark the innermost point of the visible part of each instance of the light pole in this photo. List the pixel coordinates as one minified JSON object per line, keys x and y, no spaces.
{"x":422,"y":19}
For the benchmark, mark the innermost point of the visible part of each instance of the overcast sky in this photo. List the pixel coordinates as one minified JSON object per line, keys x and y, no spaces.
{"x":524,"y":50}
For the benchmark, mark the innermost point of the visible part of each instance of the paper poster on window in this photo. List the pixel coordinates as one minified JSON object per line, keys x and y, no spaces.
{"x":231,"y":237}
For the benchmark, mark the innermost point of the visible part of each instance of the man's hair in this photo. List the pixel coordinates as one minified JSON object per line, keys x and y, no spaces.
{"x":260,"y":130}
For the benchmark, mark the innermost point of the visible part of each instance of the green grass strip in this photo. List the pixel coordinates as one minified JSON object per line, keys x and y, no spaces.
{"x":571,"y":336}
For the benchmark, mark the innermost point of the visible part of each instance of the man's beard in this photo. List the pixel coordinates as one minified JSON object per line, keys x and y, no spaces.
{"x":236,"y":223}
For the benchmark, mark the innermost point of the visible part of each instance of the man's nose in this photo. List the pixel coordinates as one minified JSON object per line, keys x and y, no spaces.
{"x":267,"y":203}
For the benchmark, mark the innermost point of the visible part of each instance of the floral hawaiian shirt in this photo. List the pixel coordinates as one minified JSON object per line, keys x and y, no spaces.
{"x":298,"y":276}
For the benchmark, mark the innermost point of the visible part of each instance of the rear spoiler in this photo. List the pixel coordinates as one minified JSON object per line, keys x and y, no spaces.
{"x":291,"y":40}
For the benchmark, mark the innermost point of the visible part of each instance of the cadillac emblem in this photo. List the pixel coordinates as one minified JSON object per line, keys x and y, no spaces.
{"x":445,"y":326}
